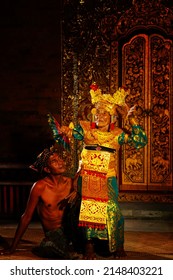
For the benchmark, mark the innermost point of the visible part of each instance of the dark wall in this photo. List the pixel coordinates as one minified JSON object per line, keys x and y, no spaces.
{"x":30,"y":72}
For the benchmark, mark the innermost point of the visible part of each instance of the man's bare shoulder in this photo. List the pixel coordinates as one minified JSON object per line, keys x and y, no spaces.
{"x":39,"y":185}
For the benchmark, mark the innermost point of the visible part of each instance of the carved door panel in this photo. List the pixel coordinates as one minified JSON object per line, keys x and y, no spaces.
{"x":147,"y":66}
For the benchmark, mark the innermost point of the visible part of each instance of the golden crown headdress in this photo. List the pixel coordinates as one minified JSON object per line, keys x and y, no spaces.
{"x":108,"y":101}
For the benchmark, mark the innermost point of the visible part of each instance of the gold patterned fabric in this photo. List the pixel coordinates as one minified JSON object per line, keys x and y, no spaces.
{"x":107,"y":225}
{"x":93,"y":213}
{"x":94,"y":199}
{"x":95,"y":160}
{"x":94,"y":185}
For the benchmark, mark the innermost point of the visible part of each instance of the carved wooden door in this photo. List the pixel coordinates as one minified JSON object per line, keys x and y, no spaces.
{"x":147,"y":67}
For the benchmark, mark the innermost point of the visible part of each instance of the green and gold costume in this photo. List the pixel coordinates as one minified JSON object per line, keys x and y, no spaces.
{"x":100,"y":213}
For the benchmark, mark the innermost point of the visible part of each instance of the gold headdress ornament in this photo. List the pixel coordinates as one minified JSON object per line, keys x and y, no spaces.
{"x":108,"y":101}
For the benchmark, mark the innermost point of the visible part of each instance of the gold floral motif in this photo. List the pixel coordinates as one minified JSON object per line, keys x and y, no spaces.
{"x":93,"y":212}
{"x":95,"y":160}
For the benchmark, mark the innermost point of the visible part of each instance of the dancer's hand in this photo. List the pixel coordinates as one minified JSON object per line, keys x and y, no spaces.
{"x":131,"y":111}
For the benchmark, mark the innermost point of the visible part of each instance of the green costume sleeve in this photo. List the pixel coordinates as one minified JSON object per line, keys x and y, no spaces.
{"x":78,"y":132}
{"x":137,"y":138}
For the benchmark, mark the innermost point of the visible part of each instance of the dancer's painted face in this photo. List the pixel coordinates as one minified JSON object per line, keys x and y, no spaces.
{"x":102,"y":117}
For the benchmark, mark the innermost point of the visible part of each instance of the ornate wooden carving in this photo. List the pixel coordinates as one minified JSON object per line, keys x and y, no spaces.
{"x":97,"y":33}
{"x":145,"y":14}
{"x":133,"y":76}
{"x":161,"y":108}
{"x":146,"y":70}
{"x":145,"y":197}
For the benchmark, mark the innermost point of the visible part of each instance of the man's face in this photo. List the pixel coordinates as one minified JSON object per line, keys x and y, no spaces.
{"x":102,"y":117}
{"x":56,"y":164}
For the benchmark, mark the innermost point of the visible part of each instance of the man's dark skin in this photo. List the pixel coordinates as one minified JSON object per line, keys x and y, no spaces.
{"x":46,"y":195}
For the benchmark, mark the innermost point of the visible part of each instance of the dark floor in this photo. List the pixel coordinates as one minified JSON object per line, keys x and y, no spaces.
{"x":144,"y":239}
{"x":148,"y":234}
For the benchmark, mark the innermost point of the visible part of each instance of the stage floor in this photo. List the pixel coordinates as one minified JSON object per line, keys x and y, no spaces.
{"x":144,"y":239}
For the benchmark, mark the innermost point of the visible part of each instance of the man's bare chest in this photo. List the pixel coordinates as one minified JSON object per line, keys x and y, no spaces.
{"x":52,"y":195}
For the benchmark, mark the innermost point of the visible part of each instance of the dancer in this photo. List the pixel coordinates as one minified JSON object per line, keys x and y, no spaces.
{"x":100,"y":213}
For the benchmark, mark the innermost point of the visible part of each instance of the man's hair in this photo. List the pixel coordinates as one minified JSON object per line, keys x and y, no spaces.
{"x":42,"y":159}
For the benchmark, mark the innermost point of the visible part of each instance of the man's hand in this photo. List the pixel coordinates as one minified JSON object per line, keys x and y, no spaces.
{"x":4,"y":243}
{"x":8,"y":251}
{"x":70,"y":199}
{"x":72,"y":196}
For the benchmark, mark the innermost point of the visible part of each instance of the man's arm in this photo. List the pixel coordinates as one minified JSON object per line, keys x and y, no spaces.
{"x":27,"y":216}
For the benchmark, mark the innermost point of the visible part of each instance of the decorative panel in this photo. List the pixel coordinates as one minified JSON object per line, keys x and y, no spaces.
{"x":134,"y":65}
{"x":146,"y":70}
{"x":160,"y":108}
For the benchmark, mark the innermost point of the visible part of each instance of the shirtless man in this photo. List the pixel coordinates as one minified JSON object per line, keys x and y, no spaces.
{"x":46,"y":195}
